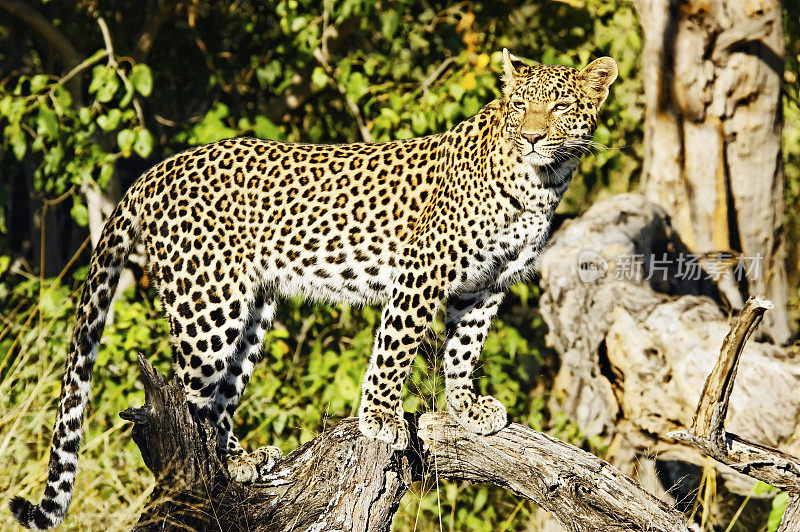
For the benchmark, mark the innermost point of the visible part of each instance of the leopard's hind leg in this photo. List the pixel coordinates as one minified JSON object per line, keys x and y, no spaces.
{"x":244,"y":466}
{"x":217,"y":330}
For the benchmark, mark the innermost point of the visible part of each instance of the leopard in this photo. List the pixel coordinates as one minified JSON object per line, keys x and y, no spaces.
{"x":446,"y":222}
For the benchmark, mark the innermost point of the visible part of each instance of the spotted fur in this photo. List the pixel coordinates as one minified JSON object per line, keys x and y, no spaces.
{"x":233,"y":226}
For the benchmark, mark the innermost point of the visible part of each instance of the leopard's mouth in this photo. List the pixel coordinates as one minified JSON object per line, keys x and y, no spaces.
{"x":536,"y":158}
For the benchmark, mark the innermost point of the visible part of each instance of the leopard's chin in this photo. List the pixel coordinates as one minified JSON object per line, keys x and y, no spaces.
{"x":553,"y":171}
{"x":536,"y":159}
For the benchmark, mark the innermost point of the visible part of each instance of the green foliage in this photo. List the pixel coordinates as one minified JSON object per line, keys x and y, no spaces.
{"x":73,"y":144}
{"x":217,"y":70}
{"x":791,"y":146}
{"x":778,"y":509}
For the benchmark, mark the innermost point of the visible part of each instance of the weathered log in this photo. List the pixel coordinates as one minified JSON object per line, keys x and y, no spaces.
{"x":708,"y":434}
{"x":343,"y":481}
{"x":636,"y":339}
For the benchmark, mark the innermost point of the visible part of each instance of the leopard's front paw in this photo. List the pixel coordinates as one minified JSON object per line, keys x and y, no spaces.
{"x":253,"y":466}
{"x":486,"y":415}
{"x":384,"y":426}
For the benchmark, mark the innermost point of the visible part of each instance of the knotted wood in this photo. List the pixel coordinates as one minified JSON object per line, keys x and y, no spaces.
{"x":344,"y":481}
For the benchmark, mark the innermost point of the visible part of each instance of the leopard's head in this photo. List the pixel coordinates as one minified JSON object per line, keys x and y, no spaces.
{"x":551,"y":110}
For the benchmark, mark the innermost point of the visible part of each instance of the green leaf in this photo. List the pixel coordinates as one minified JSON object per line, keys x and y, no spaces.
{"x":778,"y":509}
{"x":356,"y":85}
{"x":18,"y":142}
{"x":143,"y":145}
{"x":13,"y":108}
{"x":299,"y":23}
{"x":51,"y":303}
{"x":471,"y":106}
{"x":391,"y":115}
{"x":480,"y":499}
{"x":212,"y":128}
{"x":106,"y":172}
{"x":319,"y":79}
{"x":762,"y":487}
{"x":63,"y":99}
{"x":390,"y":21}
{"x":39,"y":82}
{"x":104,"y":83}
{"x":108,"y":90}
{"x":419,"y":123}
{"x":142,"y":79}
{"x":84,"y":115}
{"x":80,"y":214}
{"x":110,"y":121}
{"x":125,"y":139}
{"x":80,"y":273}
{"x":450,"y":111}
{"x":47,"y":123}
{"x":266,"y":128}
{"x":53,"y":159}
{"x":126,"y":99}
{"x":269,"y":73}
{"x":5,"y":105}
{"x":456,"y":91}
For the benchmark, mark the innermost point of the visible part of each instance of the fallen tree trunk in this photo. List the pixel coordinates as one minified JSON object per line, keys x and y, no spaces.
{"x":343,"y":481}
{"x":638,"y":324}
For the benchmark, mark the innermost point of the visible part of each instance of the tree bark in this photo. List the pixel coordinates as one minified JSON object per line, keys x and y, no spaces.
{"x":708,"y":433}
{"x":343,"y":481}
{"x":712,"y":74}
{"x":636,"y":342}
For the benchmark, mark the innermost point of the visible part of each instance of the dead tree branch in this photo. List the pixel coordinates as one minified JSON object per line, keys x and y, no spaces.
{"x":623,"y":300}
{"x":343,"y":481}
{"x":708,"y":433}
{"x":322,"y":55}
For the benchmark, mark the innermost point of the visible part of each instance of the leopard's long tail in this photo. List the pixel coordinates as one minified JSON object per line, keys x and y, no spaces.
{"x":108,"y":260}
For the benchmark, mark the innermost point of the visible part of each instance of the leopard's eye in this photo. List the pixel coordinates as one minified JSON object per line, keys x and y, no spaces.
{"x":519,"y":104}
{"x":562,"y":106}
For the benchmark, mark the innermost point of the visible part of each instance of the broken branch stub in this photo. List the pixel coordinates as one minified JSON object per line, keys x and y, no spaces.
{"x":713,"y":405}
{"x":708,"y":433}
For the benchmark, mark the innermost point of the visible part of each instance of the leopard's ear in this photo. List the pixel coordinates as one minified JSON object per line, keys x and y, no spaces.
{"x":511,"y":65}
{"x":598,"y":76}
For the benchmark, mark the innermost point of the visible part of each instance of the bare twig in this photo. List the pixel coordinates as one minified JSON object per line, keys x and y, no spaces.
{"x":112,"y":63}
{"x":52,"y":35}
{"x":322,"y":55}
{"x":83,"y":66}
{"x":708,"y":433}
{"x":430,"y":80}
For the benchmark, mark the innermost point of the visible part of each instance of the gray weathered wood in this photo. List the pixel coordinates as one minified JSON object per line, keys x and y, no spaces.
{"x":712,"y":73}
{"x":343,"y":481}
{"x":580,"y":490}
{"x":635,"y":350}
{"x":708,"y":434}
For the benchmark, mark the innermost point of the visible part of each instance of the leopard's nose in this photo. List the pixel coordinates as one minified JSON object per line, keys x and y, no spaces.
{"x":534,"y":137}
